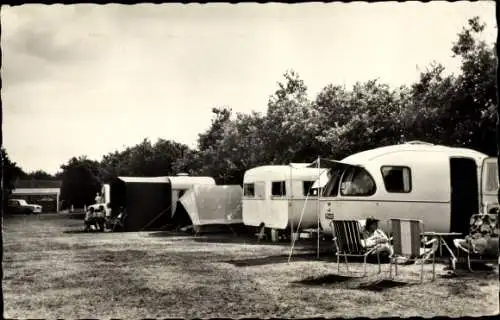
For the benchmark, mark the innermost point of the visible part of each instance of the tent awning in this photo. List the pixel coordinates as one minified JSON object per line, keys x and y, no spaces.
{"x":328,"y":165}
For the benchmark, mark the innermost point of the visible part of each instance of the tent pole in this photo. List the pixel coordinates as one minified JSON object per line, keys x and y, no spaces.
{"x":289,"y":204}
{"x":318,"y":205}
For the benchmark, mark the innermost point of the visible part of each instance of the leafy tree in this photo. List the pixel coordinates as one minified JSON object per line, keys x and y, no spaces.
{"x":291,"y":123}
{"x":39,"y":175}
{"x":369,"y":116}
{"x":10,"y":173}
{"x":459,"y":110}
{"x":80,"y":182}
{"x":144,"y":159}
{"x":191,"y":162}
{"x":213,"y":147}
{"x":475,"y":112}
{"x":426,"y":117}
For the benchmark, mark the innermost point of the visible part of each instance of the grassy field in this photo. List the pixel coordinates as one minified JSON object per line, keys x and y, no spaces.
{"x":53,"y":270}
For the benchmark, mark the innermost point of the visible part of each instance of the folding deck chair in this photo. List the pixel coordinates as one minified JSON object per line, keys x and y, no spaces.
{"x":482,"y":226}
{"x":119,"y":221}
{"x":348,"y":241}
{"x":407,"y":241}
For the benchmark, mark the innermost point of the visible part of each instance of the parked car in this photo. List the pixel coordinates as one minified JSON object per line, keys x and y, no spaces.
{"x":20,"y":206}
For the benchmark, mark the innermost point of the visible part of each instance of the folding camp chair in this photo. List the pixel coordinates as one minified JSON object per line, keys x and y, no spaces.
{"x":349,"y":241}
{"x":482,"y":227}
{"x":119,"y":221}
{"x":407,"y":241}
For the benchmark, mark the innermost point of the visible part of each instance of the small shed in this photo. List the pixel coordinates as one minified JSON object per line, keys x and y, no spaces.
{"x":48,"y":198}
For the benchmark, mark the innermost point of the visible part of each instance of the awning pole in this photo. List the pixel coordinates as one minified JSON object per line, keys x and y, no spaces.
{"x":288,"y":208}
{"x":298,"y":227}
{"x":318,"y":204}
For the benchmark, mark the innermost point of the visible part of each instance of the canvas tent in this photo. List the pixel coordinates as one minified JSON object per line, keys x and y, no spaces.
{"x":180,"y":184}
{"x":205,"y":206}
{"x":147,"y":201}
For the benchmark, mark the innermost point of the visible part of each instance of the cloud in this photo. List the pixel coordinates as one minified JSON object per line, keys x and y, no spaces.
{"x":38,"y":41}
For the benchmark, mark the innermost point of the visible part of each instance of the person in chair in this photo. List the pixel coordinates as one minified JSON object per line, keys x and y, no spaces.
{"x":373,"y":236}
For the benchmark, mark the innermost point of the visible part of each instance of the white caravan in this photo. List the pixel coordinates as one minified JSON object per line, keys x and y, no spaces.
{"x":440,"y":185}
{"x":275,"y":196}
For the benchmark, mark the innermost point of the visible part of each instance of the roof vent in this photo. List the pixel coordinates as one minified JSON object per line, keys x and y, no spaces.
{"x":419,"y":142}
{"x":182,"y":174}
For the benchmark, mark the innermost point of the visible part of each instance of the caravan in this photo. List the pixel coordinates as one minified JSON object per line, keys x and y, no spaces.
{"x":443,"y":186}
{"x":280,"y":197}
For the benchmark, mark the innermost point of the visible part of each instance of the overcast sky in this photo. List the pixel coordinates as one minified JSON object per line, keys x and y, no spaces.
{"x":89,"y":79}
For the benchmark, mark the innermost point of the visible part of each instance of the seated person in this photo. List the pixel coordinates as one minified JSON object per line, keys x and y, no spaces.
{"x":108,"y":211}
{"x":483,"y":236}
{"x":100,"y":217}
{"x":374,"y":236}
{"x":89,"y":219}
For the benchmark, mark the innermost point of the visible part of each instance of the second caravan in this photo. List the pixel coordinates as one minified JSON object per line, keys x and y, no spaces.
{"x":275,"y":196}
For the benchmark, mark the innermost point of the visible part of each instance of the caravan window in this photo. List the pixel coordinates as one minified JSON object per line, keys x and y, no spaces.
{"x":249,"y":190}
{"x":331,"y":188}
{"x":307,"y":190}
{"x":396,"y":179}
{"x":491,"y":179}
{"x":278,"y":188}
{"x":260,"y":190}
{"x":356,"y":181}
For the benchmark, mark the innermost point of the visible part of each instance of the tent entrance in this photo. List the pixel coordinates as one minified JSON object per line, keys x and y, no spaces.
{"x":147,"y":202}
{"x":464,"y":193}
{"x":181,"y":217}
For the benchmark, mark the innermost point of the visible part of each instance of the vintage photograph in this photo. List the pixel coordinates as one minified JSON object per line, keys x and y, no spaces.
{"x":248,"y":160}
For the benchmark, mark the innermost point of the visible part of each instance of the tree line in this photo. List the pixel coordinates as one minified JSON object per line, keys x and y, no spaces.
{"x":455,"y":110}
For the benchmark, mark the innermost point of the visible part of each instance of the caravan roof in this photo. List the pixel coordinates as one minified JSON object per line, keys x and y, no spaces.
{"x":187,"y":182}
{"x":281,"y":172}
{"x":145,"y":179}
{"x":370,"y":155}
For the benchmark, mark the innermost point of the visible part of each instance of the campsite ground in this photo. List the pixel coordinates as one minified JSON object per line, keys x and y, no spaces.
{"x":51,"y":269}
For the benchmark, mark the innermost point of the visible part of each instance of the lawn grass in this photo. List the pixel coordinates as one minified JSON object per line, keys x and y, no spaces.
{"x":53,"y":271}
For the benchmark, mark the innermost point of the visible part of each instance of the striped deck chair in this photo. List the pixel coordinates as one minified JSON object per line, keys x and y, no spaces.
{"x":348,"y":241}
{"x":482,"y":240}
{"x":407,"y":242}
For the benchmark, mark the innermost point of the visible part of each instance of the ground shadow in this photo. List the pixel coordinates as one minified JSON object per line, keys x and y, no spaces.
{"x":323,"y":280}
{"x":277,"y":259}
{"x":170,"y":234}
{"x":252,"y":240}
{"x":360,"y":259}
{"x":382,"y":285}
{"x":77,"y":216}
{"x":476,"y":266}
{"x":76,"y":231}
{"x":480,"y":269}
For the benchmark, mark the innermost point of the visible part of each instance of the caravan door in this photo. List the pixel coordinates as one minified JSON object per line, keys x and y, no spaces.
{"x":464,"y":193}
{"x":489,"y":183}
